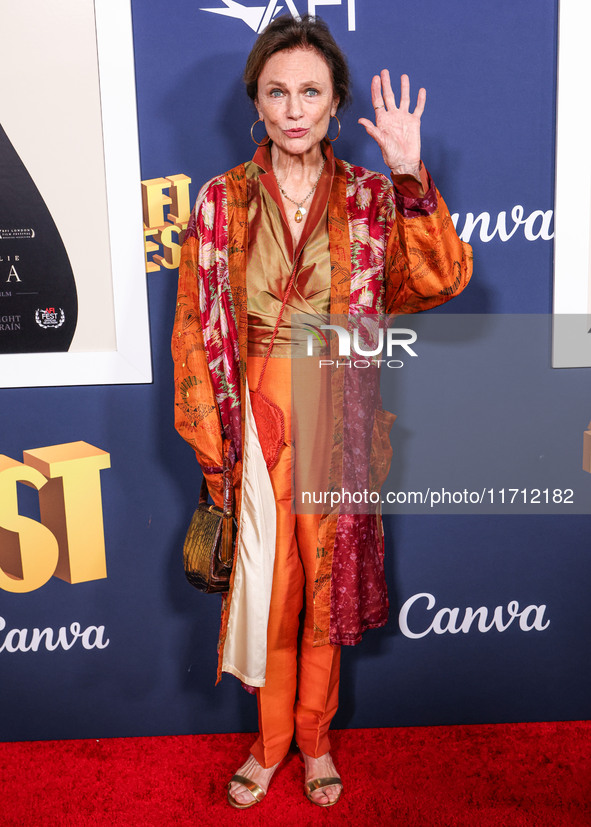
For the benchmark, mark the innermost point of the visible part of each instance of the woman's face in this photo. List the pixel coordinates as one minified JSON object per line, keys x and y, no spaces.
{"x":295,"y":99}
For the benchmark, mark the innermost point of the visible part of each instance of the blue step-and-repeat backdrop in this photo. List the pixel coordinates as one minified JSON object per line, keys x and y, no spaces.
{"x":490,"y":613}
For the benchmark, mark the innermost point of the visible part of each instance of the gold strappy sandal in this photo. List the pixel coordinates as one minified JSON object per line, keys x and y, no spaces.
{"x":320,"y":784}
{"x":257,"y":792}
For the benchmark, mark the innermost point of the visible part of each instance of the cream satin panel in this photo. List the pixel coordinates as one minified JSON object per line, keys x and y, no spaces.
{"x":245,"y":651}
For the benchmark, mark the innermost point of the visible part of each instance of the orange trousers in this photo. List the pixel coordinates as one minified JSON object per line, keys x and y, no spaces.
{"x":302,"y":680}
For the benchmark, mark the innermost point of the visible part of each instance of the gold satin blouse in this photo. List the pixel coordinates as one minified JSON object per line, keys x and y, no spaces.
{"x":271,"y":256}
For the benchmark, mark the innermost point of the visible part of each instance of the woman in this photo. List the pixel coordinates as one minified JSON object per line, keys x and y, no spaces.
{"x":295,"y":230}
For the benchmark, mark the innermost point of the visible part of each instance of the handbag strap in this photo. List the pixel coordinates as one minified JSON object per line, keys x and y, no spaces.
{"x":275,"y":331}
{"x":227,"y":533}
{"x":203,"y":492}
{"x":228,"y":509}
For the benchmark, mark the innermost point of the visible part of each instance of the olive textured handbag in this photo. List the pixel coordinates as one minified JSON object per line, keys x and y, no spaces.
{"x":208,"y":553}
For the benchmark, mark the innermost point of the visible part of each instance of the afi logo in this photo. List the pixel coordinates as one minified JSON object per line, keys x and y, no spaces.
{"x":259,"y":17}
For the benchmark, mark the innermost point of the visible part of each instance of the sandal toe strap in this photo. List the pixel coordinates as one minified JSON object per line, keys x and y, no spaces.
{"x":251,"y":786}
{"x":320,"y":783}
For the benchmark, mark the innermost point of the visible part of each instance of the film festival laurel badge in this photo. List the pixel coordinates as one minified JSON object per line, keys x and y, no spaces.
{"x":38,"y":299}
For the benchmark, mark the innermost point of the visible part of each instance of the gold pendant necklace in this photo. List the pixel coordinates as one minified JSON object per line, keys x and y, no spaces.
{"x":301,"y":210}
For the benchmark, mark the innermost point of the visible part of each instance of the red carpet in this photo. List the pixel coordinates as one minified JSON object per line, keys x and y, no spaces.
{"x":510,"y":775}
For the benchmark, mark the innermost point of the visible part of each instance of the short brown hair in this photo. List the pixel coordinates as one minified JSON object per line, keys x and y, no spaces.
{"x":305,"y":32}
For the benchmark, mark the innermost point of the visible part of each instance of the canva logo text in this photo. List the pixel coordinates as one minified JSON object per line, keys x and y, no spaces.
{"x":417,"y":620}
{"x":25,"y":640}
{"x":536,"y":225}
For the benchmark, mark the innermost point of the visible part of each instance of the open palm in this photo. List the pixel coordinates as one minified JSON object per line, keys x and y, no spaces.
{"x":397,"y":131}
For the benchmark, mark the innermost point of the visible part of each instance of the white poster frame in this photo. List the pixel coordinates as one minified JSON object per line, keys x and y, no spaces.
{"x":130,"y":363}
{"x":572,"y":241}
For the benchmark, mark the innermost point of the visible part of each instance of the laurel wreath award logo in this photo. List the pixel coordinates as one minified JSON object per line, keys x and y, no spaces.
{"x":50,"y":317}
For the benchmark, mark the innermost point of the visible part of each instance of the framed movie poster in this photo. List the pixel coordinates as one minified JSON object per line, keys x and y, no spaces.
{"x":73,"y":303}
{"x":572,"y":243}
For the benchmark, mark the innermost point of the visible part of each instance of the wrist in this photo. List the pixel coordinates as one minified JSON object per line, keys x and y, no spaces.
{"x":407,"y":169}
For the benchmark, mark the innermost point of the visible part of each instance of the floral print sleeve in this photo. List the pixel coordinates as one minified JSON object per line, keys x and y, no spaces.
{"x":426,"y":263}
{"x":196,"y":412}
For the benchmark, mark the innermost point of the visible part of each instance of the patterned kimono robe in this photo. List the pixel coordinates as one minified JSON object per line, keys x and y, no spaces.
{"x":389,"y":253}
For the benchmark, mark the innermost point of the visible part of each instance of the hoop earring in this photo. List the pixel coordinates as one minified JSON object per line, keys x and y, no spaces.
{"x":263,"y":142}
{"x":332,"y":140}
